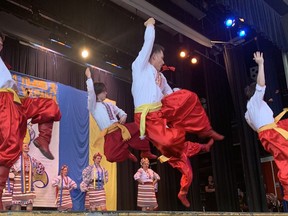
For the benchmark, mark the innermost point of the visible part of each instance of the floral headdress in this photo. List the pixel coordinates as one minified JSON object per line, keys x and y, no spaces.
{"x":97,"y":155}
{"x":143,"y":160}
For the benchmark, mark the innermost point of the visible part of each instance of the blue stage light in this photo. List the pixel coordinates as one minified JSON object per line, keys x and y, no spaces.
{"x":229,"y":22}
{"x":242,"y":33}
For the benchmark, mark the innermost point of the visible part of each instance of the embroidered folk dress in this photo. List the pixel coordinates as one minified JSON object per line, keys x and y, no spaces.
{"x":24,"y":169}
{"x":146,"y":191}
{"x":8,"y":191}
{"x":64,"y":184}
{"x":94,"y":177}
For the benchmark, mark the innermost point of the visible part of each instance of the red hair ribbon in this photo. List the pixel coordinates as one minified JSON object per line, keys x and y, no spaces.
{"x":168,"y":68}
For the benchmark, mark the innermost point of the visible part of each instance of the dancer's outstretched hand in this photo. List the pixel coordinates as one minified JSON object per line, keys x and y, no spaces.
{"x":258,"y":57}
{"x":88,"y":73}
{"x":150,"y":21}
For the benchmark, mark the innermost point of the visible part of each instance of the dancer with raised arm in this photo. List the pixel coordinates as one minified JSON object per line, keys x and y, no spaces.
{"x":118,"y":134}
{"x":166,"y":116}
{"x":272,"y":132}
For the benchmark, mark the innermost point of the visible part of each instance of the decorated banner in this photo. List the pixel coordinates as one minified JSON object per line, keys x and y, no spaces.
{"x":35,"y":87}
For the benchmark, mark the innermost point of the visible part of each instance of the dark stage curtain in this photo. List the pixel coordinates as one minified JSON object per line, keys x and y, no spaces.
{"x":43,"y":64}
{"x":209,"y":81}
{"x":262,"y":17}
{"x":220,"y":111}
{"x":238,"y":79}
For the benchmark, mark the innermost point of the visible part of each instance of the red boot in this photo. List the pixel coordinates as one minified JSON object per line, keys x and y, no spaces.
{"x":182,"y":197}
{"x":147,"y":154}
{"x":211,"y":134}
{"x":43,"y":140}
{"x":4,"y":173}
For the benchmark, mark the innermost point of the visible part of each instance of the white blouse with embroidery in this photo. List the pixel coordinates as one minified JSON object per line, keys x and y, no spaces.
{"x":146,"y":176}
{"x":99,"y":110}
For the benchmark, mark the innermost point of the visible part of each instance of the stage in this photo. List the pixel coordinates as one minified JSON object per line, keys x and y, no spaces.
{"x":137,"y":213}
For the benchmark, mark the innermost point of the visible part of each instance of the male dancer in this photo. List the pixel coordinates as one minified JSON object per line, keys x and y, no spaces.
{"x":165,"y":116}
{"x":119,"y":135}
{"x":14,"y":113}
{"x":272,"y":131}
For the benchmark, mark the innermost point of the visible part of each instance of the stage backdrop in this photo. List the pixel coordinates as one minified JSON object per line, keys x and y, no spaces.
{"x":74,"y":142}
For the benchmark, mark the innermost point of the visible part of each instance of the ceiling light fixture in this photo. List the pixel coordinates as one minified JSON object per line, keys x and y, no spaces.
{"x":60,"y":40}
{"x":168,"y":20}
{"x":113,"y":64}
{"x":85,"y":53}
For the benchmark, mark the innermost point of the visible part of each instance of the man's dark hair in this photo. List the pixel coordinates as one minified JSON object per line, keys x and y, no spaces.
{"x":250,"y":90}
{"x":156,"y":49}
{"x":99,"y":87}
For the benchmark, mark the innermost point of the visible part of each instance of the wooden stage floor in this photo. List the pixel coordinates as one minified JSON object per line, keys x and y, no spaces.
{"x":138,"y":213}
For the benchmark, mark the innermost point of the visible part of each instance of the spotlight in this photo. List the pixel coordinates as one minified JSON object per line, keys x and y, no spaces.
{"x":183,"y":54}
{"x":241,"y":19}
{"x":230,"y":22}
{"x":85,"y":53}
{"x":241,"y":33}
{"x":194,"y":60}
